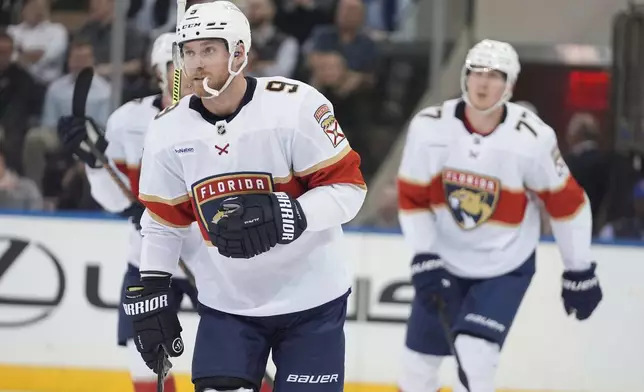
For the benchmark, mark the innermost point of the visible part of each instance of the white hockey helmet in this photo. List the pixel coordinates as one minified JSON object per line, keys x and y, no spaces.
{"x":161,"y":55}
{"x":220,"y":19}
{"x":490,"y":55}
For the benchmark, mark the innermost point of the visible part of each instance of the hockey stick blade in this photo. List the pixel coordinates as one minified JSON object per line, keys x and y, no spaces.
{"x":81,"y":91}
{"x":445,"y":324}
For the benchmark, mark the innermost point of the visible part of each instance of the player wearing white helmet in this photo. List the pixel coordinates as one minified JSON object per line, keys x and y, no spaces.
{"x":473,"y":173}
{"x":125,"y":132}
{"x":264,"y":168}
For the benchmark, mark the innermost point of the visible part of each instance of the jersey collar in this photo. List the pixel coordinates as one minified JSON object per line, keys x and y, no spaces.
{"x":197,"y":105}
{"x":459,"y":113}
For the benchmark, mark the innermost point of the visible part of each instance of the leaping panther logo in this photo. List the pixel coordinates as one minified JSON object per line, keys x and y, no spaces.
{"x":471,"y":198}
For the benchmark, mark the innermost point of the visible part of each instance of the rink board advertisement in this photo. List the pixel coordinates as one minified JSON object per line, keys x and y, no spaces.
{"x":60,"y":279}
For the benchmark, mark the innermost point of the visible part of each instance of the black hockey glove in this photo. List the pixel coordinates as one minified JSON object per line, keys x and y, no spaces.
{"x":156,"y":325}
{"x":76,"y":133}
{"x":249,"y":225}
{"x":134,"y":212}
{"x":432,"y":282}
{"x":581,"y":292}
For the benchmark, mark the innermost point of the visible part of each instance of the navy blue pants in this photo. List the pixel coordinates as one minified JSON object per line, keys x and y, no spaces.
{"x":486,"y":309}
{"x":179,"y":288}
{"x":307,"y":347}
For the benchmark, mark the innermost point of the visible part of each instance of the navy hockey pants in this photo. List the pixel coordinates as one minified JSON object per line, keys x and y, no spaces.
{"x":307,"y":347}
{"x":487,"y":309}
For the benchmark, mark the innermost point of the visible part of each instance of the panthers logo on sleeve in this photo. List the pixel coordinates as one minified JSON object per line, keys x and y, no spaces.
{"x":329,"y":124}
{"x":471,"y":198}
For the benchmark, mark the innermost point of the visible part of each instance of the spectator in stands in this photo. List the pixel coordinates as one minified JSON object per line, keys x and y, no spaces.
{"x":20,"y":100}
{"x":73,"y":192}
{"x":58,"y":102}
{"x":98,"y":31}
{"x":39,"y":44}
{"x":347,"y":38}
{"x":8,"y":12}
{"x":587,"y":163}
{"x":631,"y":227}
{"x":273,"y":53}
{"x":17,"y":193}
{"x":153,"y":17}
{"x":298,"y":18}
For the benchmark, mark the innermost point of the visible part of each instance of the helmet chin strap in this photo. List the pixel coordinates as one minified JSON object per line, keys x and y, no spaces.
{"x":505,"y":98}
{"x":215,"y":93}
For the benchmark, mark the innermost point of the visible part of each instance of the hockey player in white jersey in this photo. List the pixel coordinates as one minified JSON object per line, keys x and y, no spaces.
{"x":263,"y":167}
{"x":124,"y":136}
{"x":471,"y":177}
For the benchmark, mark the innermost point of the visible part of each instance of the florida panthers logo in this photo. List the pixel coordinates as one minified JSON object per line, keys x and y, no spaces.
{"x":209,"y":192}
{"x":471,"y":198}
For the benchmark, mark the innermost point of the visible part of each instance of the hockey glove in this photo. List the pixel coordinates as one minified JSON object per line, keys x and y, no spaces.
{"x":432,"y":281}
{"x":249,"y":225}
{"x":156,"y":325}
{"x":134,"y":212}
{"x":581,"y":292}
{"x":76,"y":133}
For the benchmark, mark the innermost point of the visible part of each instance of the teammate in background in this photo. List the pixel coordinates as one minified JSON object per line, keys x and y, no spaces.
{"x":125,"y":133}
{"x":264,"y":168}
{"x":472,"y":172}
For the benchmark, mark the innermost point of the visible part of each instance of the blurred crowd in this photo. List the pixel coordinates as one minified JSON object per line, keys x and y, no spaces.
{"x":331,"y":44}
{"x":335,"y":45}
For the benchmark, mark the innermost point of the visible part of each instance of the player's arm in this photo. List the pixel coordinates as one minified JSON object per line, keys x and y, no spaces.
{"x":564,"y":200}
{"x":417,"y":188}
{"x":571,"y":221}
{"x":168,"y":208}
{"x":165,"y":222}
{"x":415,"y":178}
{"x":327,"y":166}
{"x":103,"y":188}
{"x":324,"y":167}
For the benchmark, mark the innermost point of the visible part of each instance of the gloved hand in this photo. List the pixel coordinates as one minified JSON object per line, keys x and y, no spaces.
{"x":432,"y":281}
{"x":156,"y":325}
{"x":249,"y":225}
{"x":134,"y":212}
{"x":73,"y":131}
{"x":581,"y":292}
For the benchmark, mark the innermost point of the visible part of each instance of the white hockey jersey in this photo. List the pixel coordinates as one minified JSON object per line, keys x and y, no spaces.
{"x":283,"y":137}
{"x":125,"y":133}
{"x":474,"y":199}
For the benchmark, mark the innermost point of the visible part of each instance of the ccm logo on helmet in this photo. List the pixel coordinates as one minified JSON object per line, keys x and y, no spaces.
{"x":191,"y":25}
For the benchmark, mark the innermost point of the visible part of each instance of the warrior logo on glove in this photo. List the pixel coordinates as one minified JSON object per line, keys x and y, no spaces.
{"x":244,"y":217}
{"x":150,"y":307}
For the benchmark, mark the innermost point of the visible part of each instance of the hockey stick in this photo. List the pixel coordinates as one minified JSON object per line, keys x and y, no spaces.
{"x":449,"y":336}
{"x":176,"y":81}
{"x":163,"y":366}
{"x":79,"y":102}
